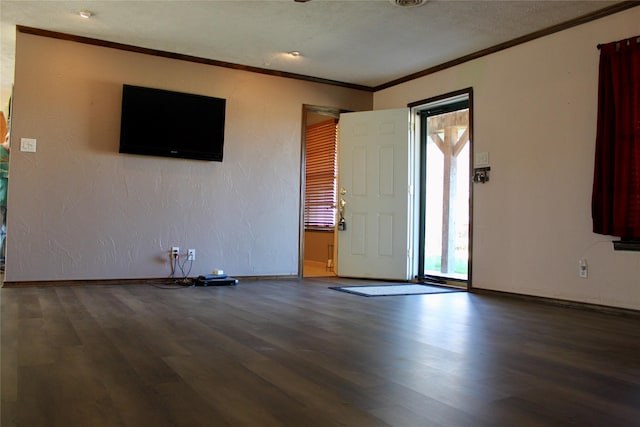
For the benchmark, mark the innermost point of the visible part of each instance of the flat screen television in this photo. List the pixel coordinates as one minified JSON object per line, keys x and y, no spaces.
{"x":159,"y":122}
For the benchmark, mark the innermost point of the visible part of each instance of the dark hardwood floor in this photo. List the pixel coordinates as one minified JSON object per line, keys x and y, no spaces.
{"x":295,"y":353}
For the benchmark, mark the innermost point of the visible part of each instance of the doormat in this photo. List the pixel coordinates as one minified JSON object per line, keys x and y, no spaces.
{"x":389,"y":290}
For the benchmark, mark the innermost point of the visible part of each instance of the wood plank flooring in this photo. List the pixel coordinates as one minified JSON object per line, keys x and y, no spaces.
{"x":295,"y":353}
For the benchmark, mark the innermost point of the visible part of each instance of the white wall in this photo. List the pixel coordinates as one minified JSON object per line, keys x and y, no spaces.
{"x":535,"y":111}
{"x":79,"y":210}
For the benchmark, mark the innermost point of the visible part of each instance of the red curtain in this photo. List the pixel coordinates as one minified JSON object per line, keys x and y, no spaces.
{"x":615,"y":204}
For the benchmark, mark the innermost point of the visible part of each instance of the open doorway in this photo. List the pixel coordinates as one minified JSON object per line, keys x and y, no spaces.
{"x":318,"y":193}
{"x":445,"y":200}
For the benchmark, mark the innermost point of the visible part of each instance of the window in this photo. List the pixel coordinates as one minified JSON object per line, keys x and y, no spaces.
{"x":320,"y":175}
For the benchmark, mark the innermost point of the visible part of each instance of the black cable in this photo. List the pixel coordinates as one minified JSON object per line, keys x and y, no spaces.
{"x":185,"y":281}
{"x":186,"y":275}
{"x":173,"y":263}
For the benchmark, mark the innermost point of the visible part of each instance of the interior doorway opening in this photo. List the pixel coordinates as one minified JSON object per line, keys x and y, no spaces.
{"x":317,"y":246}
{"x":444,"y":246}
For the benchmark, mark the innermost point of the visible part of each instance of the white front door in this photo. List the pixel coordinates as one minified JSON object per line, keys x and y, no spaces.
{"x":374,"y":201}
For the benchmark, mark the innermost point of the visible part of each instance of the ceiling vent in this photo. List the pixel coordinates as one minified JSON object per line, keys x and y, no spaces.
{"x":408,"y":3}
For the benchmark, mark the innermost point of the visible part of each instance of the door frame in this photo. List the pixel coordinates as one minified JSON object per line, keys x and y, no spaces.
{"x":414,"y":214}
{"x":416,"y":107}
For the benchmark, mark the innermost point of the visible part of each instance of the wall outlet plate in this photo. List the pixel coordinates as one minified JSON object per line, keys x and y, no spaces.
{"x":583,"y":268}
{"x":191,"y":255}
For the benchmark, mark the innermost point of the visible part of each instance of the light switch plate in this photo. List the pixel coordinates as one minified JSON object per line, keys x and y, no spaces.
{"x":28,"y":145}
{"x":482,"y":160}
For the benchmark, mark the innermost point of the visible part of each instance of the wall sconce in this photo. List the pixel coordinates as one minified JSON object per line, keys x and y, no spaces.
{"x":481,"y":175}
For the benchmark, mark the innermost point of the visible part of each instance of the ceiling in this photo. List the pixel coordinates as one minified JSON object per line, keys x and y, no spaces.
{"x":359,"y":42}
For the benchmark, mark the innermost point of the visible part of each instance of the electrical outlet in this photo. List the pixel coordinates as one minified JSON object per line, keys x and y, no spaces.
{"x":583,"y":268}
{"x":175,"y":251}
{"x":191,"y":255}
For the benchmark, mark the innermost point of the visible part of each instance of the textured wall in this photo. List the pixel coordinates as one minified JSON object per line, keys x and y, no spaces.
{"x":535,"y":113}
{"x":79,"y":210}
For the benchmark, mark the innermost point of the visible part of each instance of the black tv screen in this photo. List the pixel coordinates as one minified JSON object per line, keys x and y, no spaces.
{"x":159,"y":122}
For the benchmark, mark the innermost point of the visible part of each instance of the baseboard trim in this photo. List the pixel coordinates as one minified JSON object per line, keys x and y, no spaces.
{"x":43,"y":283}
{"x":148,"y":281}
{"x":617,"y":311}
{"x":275,"y":277}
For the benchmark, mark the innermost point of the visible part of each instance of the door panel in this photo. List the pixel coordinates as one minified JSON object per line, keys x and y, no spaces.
{"x":374,"y":170}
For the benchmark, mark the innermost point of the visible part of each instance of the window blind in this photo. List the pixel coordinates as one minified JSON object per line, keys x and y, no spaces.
{"x":320,"y":175}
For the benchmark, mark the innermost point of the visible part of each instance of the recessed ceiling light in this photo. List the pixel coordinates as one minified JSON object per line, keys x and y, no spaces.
{"x":85,"y":14}
{"x":408,"y":3}
{"x":295,"y":53}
